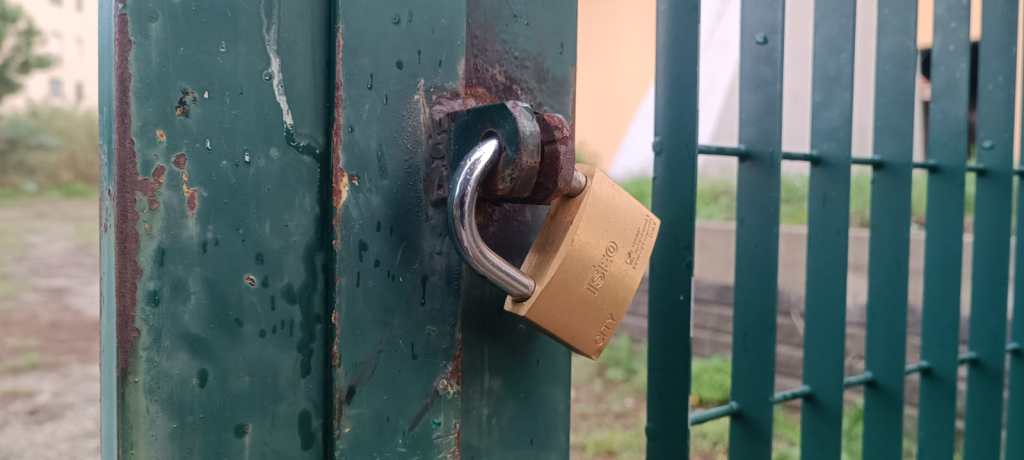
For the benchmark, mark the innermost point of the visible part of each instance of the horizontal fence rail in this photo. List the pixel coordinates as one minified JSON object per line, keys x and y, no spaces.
{"x":954,"y":150}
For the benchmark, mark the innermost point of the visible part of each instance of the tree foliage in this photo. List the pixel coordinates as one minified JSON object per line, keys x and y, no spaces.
{"x":20,"y":41}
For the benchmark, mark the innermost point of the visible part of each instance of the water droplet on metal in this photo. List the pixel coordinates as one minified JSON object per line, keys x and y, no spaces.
{"x":246,"y":156}
{"x":223,"y":48}
{"x":267,"y":76}
{"x":396,"y":19}
{"x":369,"y":84}
{"x":209,"y":145}
{"x":761,"y":39}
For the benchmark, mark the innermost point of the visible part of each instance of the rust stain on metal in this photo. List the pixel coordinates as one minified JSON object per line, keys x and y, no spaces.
{"x":250,"y":280}
{"x":183,"y":108}
{"x":126,"y":239}
{"x":180,"y":161}
{"x":339,"y":190}
{"x":161,"y":136}
{"x":447,"y":385}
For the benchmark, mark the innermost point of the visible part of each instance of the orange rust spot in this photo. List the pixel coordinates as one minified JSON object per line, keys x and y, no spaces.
{"x":161,"y":136}
{"x":180,"y":161}
{"x":149,"y":186}
{"x":250,"y":280}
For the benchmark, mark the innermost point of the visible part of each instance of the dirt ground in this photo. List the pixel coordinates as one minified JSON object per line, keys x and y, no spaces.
{"x":49,"y":345}
{"x":49,"y":329}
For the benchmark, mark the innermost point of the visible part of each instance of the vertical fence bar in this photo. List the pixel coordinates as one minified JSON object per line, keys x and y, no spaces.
{"x":1015,"y":406}
{"x":889,"y":250}
{"x":757,"y":228}
{"x":947,"y":148}
{"x":993,"y":209}
{"x":821,"y":418}
{"x":674,"y":201}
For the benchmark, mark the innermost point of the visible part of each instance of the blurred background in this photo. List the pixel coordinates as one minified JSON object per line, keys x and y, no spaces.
{"x":49,"y":295}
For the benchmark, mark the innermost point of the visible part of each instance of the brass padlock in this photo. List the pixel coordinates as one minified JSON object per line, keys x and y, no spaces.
{"x":584,"y":268}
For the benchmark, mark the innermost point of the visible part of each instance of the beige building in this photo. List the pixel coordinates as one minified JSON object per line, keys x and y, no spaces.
{"x":615,"y":80}
{"x":71,"y":32}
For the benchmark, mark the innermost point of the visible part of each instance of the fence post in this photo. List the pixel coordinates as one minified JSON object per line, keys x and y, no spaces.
{"x":278,"y":277}
{"x":889,"y":250}
{"x":214,"y":136}
{"x":997,"y":61}
{"x":821,"y":416}
{"x":674,"y":201}
{"x":947,"y":148}
{"x":757,"y":229}
{"x":428,"y":364}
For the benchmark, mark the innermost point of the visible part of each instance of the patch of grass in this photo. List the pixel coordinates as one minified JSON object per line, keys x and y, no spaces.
{"x":710,"y":381}
{"x":44,"y":148}
{"x":625,"y":362}
{"x":69,"y":190}
{"x":716,"y":197}
{"x":613,"y":443}
{"x":23,"y":362}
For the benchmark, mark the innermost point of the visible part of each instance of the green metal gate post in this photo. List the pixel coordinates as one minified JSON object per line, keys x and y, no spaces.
{"x":214,"y":129}
{"x":427,"y":364}
{"x":889,"y":250}
{"x":993,"y":210}
{"x":947,"y":149}
{"x":278,"y":278}
{"x":675,"y":190}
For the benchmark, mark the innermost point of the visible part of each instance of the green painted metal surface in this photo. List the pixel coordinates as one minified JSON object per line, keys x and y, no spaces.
{"x":993,"y":211}
{"x":821,"y":417}
{"x":675,"y":191}
{"x":427,"y":363}
{"x":516,"y":380}
{"x":1015,"y":387}
{"x":947,"y":147}
{"x":278,"y":277}
{"x":213,"y":296}
{"x":757,"y":228}
{"x":889,"y":250}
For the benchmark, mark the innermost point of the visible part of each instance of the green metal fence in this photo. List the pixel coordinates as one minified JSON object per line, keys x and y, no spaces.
{"x":760,"y":156}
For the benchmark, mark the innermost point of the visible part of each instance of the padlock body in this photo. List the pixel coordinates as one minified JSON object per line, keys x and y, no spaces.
{"x":588,"y":261}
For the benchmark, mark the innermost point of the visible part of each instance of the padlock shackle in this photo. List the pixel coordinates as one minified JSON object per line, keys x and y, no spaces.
{"x":465,"y":190}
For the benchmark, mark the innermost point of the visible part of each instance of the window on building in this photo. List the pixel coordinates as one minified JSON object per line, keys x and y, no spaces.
{"x":56,"y":88}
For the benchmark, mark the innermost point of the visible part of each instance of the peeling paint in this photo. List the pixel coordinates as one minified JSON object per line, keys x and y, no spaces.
{"x":277,"y":76}
{"x":180,"y":161}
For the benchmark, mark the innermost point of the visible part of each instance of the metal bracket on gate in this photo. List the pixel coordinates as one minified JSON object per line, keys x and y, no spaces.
{"x":536,"y":161}
{"x":507,"y":153}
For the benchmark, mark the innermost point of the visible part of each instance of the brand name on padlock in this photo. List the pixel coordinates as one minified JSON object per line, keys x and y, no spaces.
{"x":606,"y":331}
{"x":600,"y":273}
